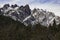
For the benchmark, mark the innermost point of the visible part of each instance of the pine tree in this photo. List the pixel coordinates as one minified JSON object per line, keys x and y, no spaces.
{"x":58,"y":27}
{"x":54,"y":24}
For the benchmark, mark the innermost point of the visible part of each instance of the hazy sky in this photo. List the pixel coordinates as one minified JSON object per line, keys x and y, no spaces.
{"x":49,"y":5}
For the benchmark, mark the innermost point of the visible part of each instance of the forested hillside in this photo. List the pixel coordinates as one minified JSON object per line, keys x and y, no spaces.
{"x":14,"y":30}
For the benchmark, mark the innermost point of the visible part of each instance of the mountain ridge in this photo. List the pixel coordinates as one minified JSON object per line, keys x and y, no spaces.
{"x":27,"y":16}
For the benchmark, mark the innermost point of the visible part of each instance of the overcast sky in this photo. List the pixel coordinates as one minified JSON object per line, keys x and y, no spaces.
{"x":49,"y":5}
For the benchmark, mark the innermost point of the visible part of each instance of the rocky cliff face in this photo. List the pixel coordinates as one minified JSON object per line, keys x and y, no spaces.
{"x":27,"y":16}
{"x":45,"y":17}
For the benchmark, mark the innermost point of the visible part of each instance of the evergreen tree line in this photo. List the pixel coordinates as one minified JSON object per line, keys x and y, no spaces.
{"x":14,"y":30}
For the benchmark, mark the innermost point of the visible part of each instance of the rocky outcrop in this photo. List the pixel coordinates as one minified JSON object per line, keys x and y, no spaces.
{"x":27,"y":16}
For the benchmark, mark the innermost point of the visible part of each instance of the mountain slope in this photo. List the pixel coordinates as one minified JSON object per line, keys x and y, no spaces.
{"x":15,"y":30}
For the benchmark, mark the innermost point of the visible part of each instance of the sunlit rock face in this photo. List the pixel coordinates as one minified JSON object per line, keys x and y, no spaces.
{"x":27,"y":16}
{"x":43,"y":17}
